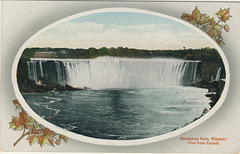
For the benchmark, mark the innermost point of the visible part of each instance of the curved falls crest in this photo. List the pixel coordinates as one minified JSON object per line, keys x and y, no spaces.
{"x":115,"y":73}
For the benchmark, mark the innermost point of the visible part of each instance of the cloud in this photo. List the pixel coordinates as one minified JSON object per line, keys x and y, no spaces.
{"x":144,"y":27}
{"x":147,"y":36}
{"x":74,"y":27}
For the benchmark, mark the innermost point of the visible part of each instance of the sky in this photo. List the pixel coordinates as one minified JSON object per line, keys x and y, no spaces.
{"x":121,"y":29}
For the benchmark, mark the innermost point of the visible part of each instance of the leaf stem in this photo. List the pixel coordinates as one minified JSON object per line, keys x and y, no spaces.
{"x":23,"y":135}
{"x":218,"y":21}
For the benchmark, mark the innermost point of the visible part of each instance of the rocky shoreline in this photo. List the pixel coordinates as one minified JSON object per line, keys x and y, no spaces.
{"x":30,"y":86}
{"x":215,"y":89}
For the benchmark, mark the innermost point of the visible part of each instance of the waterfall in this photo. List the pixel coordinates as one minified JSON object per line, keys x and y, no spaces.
{"x":218,"y":74}
{"x":113,"y":72}
{"x":41,"y":70}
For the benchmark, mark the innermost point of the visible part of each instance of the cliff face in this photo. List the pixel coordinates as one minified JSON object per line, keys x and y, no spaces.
{"x":209,"y":69}
{"x":27,"y":85}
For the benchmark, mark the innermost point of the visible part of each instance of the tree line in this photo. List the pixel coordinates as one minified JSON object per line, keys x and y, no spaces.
{"x":207,"y":54}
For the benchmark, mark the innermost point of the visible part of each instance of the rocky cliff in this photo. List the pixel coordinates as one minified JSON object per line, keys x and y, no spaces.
{"x":209,"y":69}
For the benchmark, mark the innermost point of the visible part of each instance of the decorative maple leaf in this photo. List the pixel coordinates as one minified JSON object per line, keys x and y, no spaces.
{"x":210,"y":26}
{"x":57,"y":142}
{"x":224,"y":15}
{"x":32,"y":139}
{"x":204,"y":19}
{"x":63,"y":137}
{"x":214,"y":30}
{"x":212,"y":21}
{"x":46,"y":137}
{"x":13,"y":124}
{"x":17,"y":104}
{"x":22,"y":122}
{"x":220,"y":42}
{"x":196,"y":18}
{"x":185,"y":16}
{"x":37,"y":133}
{"x":226,"y":27}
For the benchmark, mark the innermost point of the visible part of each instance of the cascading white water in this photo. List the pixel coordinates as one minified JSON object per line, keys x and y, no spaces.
{"x":218,"y":74}
{"x":115,"y":72}
{"x":41,"y":69}
{"x":32,"y":70}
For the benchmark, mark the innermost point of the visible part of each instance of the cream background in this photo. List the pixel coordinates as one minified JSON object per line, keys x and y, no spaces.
{"x":22,"y":19}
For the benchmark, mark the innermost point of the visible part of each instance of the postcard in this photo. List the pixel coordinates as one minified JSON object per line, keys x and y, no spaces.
{"x":105,"y":76}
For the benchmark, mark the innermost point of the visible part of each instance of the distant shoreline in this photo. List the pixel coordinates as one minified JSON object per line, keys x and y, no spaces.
{"x":203,"y":54}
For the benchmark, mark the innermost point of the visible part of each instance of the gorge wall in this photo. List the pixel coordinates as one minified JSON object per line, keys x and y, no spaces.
{"x":209,"y":70}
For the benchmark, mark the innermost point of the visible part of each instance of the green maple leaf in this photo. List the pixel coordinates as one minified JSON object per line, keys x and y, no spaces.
{"x":32,"y":139}
{"x":213,"y":31}
{"x":46,"y":137}
{"x":220,"y":42}
{"x":57,"y":142}
{"x":13,"y":124}
{"x":196,"y":18}
{"x":226,"y":28}
{"x":224,"y":15}
{"x":204,"y":19}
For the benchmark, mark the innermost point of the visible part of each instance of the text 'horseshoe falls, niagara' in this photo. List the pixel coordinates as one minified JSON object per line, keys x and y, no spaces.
{"x":115,"y":73}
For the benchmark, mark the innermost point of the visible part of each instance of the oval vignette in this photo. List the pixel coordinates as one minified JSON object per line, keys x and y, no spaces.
{"x":128,"y":50}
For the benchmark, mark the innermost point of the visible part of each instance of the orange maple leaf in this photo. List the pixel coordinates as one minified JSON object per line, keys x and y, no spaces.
{"x":36,"y":131}
{"x":46,"y":137}
{"x":63,"y":137}
{"x":224,"y":15}
{"x":58,"y":142}
{"x":185,"y":16}
{"x":212,"y":21}
{"x":196,"y":17}
{"x":17,"y":104}
{"x":21,"y":122}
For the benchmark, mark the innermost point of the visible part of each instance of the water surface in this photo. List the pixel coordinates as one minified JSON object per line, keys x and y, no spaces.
{"x":121,"y":114}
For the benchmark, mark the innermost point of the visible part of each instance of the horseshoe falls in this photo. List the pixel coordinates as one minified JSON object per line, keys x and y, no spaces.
{"x":115,"y":72}
{"x":129,"y":98}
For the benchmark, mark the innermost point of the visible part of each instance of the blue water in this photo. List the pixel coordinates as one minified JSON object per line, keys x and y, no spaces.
{"x":121,"y":114}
